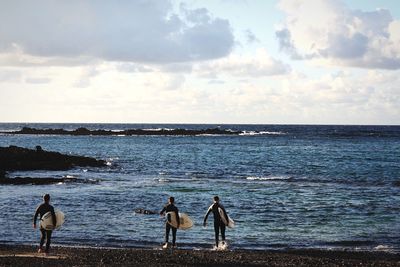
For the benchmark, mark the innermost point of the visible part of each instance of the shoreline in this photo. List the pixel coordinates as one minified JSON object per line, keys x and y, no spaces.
{"x":22,"y":255}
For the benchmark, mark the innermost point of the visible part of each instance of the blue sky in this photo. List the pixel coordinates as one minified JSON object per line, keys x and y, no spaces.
{"x":227,"y":61}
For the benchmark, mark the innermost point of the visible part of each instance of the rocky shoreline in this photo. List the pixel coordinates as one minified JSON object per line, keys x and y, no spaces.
{"x":130,"y":132}
{"x":15,"y":158}
{"x":72,"y":256}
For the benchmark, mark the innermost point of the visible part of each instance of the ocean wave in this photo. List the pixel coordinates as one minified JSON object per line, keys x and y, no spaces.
{"x":383,"y":248}
{"x":164,"y":180}
{"x":268,"y":178}
{"x":250,"y":133}
{"x":210,"y":135}
{"x":157,"y":129}
{"x":319,"y":180}
{"x":9,"y":130}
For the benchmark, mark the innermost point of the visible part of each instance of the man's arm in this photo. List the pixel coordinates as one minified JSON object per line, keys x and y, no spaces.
{"x":163,"y":210}
{"x":177,"y":217}
{"x":205,"y":217}
{"x":35,"y":217}
{"x":53,"y":214}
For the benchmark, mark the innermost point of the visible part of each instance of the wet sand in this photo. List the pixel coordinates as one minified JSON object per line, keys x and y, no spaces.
{"x":67,"y":256}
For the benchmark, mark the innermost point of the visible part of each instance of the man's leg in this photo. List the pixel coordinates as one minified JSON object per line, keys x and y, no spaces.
{"x":48,"y":240}
{"x":223,"y":231}
{"x":167,"y":228}
{"x":173,"y":235}
{"x":42,"y":238}
{"x":216,"y":230}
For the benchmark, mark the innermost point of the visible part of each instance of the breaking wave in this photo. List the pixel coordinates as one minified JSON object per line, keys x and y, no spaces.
{"x":268,"y":178}
{"x":261,"y":133}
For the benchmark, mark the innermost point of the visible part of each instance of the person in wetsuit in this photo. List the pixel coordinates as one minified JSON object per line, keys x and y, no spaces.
{"x":167,"y":208}
{"x":218,"y":224}
{"x":41,"y":210}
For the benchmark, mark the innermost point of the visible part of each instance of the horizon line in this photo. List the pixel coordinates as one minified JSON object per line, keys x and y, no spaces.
{"x":203,"y":123}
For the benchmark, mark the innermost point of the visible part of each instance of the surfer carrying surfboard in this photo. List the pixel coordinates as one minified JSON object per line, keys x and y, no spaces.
{"x":215,"y":208}
{"x":168,"y":208}
{"x":41,"y":210}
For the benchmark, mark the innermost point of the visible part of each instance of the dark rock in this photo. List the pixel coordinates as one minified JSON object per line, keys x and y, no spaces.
{"x":396,"y":183}
{"x":15,"y":158}
{"x":84,"y":131}
{"x":42,"y":181}
{"x":144,"y":211}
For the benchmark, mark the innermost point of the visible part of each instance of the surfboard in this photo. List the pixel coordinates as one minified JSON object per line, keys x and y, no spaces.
{"x":47,"y":221}
{"x":184,"y":220}
{"x":227,"y":221}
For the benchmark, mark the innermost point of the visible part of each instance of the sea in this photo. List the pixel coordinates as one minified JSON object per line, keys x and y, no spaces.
{"x":285,"y":186}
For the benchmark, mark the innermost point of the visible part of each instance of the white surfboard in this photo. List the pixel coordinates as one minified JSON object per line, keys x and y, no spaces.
{"x":47,"y":220}
{"x":227,"y":221}
{"x":184,"y":220}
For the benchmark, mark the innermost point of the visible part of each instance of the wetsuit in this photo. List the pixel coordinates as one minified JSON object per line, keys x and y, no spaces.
{"x":168,"y":227}
{"x":218,"y":224}
{"x":45,"y":234}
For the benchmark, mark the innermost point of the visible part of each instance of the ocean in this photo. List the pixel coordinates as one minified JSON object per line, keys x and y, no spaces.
{"x":285,"y":186}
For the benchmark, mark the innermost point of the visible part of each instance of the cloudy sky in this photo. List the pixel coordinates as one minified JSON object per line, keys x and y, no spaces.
{"x":226,"y":61}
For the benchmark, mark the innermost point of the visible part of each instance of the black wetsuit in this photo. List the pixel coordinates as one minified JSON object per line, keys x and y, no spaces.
{"x":168,"y":208}
{"x":218,"y":224}
{"x":46,"y":234}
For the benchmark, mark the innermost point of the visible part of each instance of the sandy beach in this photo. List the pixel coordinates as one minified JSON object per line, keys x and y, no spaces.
{"x":67,"y":256}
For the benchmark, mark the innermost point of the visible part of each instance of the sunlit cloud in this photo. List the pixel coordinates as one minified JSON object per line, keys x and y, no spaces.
{"x":329,"y":30}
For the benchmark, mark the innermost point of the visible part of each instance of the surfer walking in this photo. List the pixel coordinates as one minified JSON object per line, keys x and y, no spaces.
{"x":41,"y":210}
{"x":218,"y":223}
{"x":168,"y":208}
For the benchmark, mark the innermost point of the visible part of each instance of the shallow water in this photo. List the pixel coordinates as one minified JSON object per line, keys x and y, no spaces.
{"x":291,"y":186}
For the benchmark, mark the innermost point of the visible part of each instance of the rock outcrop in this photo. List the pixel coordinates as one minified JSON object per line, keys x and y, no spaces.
{"x":15,"y":158}
{"x":84,"y":131}
{"x":43,"y":181}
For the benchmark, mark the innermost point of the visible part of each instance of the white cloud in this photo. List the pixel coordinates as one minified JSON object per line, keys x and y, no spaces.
{"x":329,"y":30}
{"x":10,"y":75}
{"x":87,"y":73}
{"x":133,"y":67}
{"x":133,"y":31}
{"x":111,"y":95}
{"x":251,"y":37}
{"x":37,"y":80}
{"x":261,"y":64}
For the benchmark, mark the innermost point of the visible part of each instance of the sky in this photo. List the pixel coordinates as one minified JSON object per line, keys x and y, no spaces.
{"x":200,"y":61}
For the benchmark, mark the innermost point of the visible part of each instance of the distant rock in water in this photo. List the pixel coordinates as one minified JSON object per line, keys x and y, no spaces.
{"x":42,"y":181}
{"x":144,"y":211}
{"x":84,"y":131}
{"x":15,"y":158}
